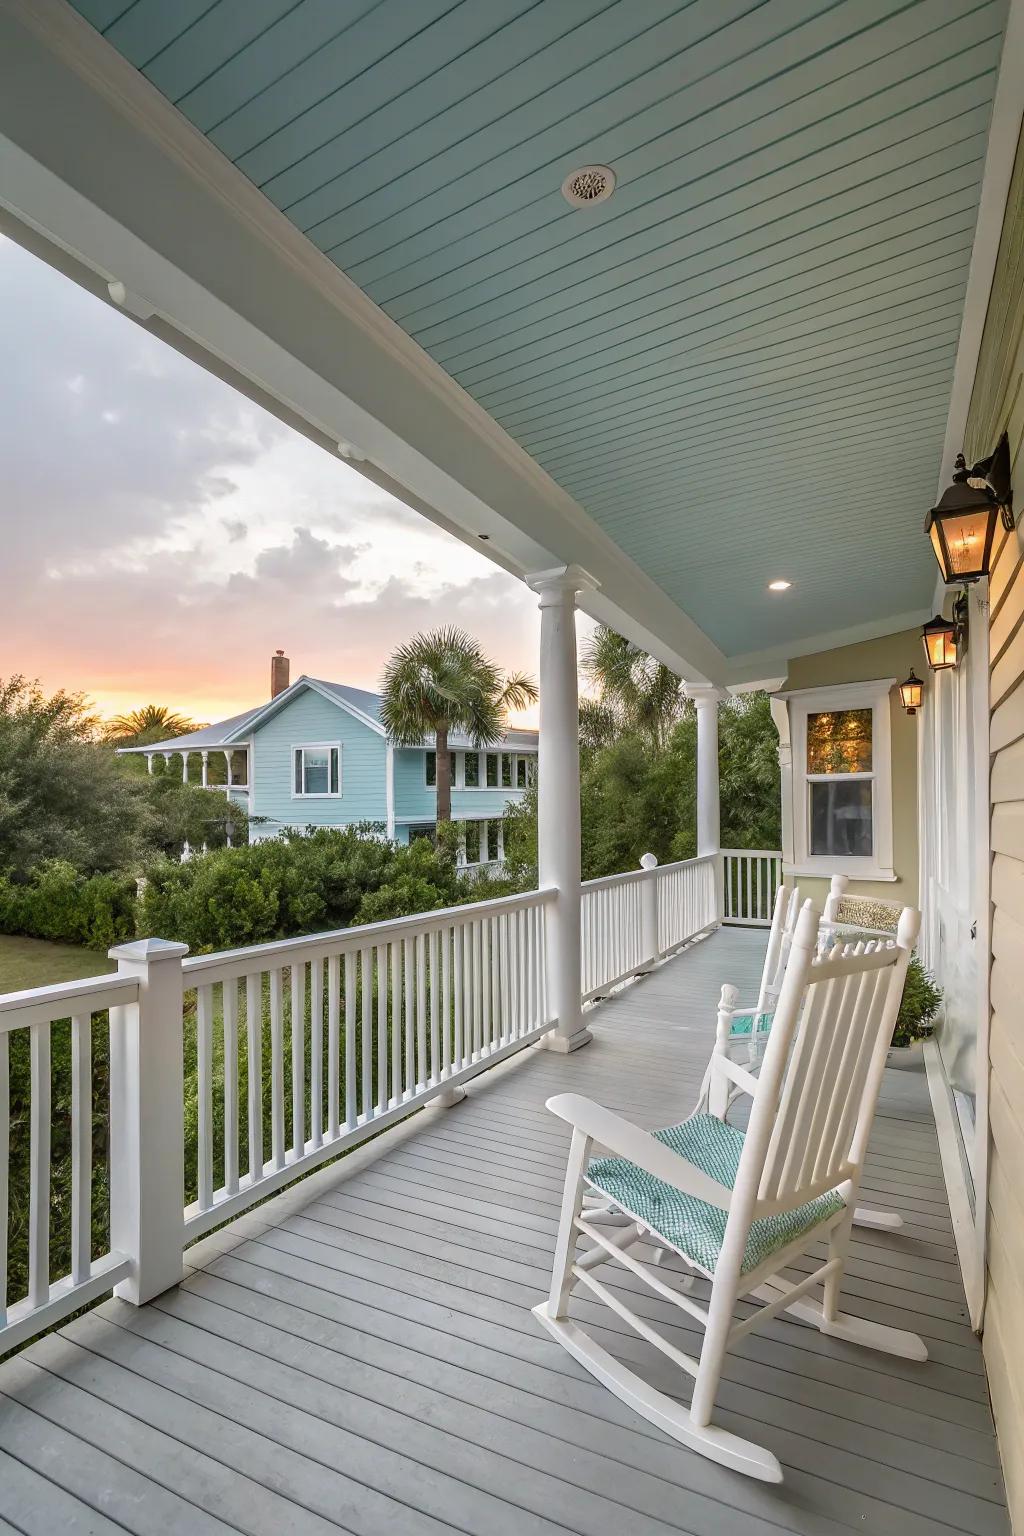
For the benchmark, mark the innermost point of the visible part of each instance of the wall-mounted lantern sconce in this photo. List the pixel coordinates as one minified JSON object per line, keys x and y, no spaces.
{"x":939,"y":636}
{"x":962,"y":526}
{"x":911,"y":693}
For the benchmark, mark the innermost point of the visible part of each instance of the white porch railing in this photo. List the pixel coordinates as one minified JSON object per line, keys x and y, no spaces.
{"x":630,"y":921}
{"x":29,"y":1023}
{"x":408,"y":1009}
{"x":750,"y":879}
{"x":242,"y":1070}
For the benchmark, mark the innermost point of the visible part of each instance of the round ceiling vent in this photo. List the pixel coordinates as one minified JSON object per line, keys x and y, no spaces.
{"x":588,"y":185}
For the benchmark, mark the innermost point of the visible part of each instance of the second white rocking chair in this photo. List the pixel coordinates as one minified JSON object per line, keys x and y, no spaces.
{"x":741,"y":1208}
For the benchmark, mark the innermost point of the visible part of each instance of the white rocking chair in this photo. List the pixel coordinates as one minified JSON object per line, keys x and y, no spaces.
{"x":741,"y":1208}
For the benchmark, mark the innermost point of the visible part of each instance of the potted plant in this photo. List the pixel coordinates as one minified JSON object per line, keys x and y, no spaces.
{"x":920,"y":1004}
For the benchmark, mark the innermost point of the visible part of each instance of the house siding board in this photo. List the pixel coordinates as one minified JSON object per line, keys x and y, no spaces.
{"x":998,"y":404}
{"x":309,"y":717}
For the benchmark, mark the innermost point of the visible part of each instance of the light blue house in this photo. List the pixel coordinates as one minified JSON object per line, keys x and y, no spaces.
{"x":317,"y":755}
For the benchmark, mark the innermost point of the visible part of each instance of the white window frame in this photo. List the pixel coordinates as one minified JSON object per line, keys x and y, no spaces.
{"x":317,"y":746}
{"x":427,"y":753}
{"x":459,"y":774}
{"x":875,"y":696}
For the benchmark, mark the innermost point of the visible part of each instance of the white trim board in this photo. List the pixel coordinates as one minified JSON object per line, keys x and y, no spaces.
{"x":961,"y":1216}
{"x":1003,"y":138}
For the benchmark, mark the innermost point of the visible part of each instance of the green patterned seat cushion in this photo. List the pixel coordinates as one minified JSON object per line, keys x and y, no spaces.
{"x":691,"y":1225}
{"x":743,"y":1024}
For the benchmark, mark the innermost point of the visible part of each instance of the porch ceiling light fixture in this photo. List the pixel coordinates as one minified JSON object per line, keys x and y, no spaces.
{"x":911,"y":693}
{"x":939,"y":636}
{"x":963,"y":525}
{"x":782,"y":585}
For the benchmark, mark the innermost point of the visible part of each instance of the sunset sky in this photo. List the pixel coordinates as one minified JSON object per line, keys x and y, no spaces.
{"x":162,"y":535}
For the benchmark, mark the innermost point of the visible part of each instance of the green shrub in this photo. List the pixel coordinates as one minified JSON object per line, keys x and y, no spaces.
{"x":920,"y":1004}
{"x":59,"y":902}
{"x":303,"y":882}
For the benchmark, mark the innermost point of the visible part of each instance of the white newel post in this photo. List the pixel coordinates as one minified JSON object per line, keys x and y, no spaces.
{"x":558,"y":796}
{"x":147,"y":1173}
{"x":709,"y":812}
{"x":649,"y":924}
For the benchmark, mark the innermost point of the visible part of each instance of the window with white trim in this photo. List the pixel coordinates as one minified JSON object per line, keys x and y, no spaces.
{"x":316,"y":770}
{"x":842,"y":780}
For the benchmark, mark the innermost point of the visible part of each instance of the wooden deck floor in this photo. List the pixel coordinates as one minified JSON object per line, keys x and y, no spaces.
{"x":359,"y":1354}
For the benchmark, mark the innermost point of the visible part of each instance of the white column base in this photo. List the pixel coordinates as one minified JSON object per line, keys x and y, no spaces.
{"x":563,"y":1044}
{"x":448,"y":1097}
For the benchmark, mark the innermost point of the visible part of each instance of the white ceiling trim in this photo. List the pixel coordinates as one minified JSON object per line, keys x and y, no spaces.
{"x":743,"y":670}
{"x":1003,"y":138}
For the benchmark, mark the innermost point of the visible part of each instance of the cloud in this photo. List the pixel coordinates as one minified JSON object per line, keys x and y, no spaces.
{"x":163,"y":535}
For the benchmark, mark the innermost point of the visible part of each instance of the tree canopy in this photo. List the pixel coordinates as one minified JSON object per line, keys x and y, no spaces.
{"x":441,"y":682}
{"x":65,"y":795}
{"x":635,"y":691}
{"x":638,"y":797}
{"x":152,"y":722}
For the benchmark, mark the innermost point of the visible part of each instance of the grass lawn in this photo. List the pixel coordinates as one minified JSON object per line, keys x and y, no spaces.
{"x":36,"y":963}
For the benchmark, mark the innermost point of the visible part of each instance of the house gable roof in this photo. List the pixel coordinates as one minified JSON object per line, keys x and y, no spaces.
{"x":359,"y":702}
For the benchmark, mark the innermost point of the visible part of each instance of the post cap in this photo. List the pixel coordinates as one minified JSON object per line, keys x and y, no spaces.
{"x":648,"y":861}
{"x":148,"y":950}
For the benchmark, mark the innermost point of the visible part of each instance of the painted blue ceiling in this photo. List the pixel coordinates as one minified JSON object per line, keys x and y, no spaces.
{"x":740,"y":364}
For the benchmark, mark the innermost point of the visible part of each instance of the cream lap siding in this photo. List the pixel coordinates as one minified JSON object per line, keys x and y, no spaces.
{"x":309,"y":717}
{"x":997,"y":404}
{"x":1004,"y":1314}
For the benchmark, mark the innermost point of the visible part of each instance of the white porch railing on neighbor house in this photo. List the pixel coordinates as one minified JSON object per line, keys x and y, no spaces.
{"x":242,"y":1070}
{"x":750,"y":879}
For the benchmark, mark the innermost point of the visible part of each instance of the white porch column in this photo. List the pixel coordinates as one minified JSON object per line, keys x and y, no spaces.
{"x":206,"y":769}
{"x":149,"y":762}
{"x":184,"y":767}
{"x":558,"y":806}
{"x":389,"y":791}
{"x":227,"y":759}
{"x":709,"y":810}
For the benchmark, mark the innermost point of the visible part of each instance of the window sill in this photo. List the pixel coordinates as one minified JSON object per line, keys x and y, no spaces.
{"x":829,"y":867}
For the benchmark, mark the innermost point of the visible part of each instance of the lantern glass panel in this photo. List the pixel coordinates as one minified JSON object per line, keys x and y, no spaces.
{"x":911,"y":693}
{"x":940,"y":648}
{"x":966,"y":536}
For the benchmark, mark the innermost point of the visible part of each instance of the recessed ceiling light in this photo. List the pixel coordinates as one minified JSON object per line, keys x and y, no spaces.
{"x":588,"y":184}
{"x":779,"y":586}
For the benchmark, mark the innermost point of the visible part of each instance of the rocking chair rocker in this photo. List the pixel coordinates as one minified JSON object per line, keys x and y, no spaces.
{"x":740,"y":1208}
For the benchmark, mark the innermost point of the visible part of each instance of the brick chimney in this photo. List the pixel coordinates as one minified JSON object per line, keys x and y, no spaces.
{"x":280,"y":668}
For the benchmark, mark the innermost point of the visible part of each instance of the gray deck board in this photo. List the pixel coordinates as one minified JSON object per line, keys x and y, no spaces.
{"x":358,"y":1355}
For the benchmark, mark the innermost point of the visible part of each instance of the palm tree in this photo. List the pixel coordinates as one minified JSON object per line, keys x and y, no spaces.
{"x":153,"y":722}
{"x":442,"y":682}
{"x":641,"y":692}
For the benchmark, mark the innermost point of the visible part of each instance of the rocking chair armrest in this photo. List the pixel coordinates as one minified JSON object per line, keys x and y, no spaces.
{"x":628,"y":1141}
